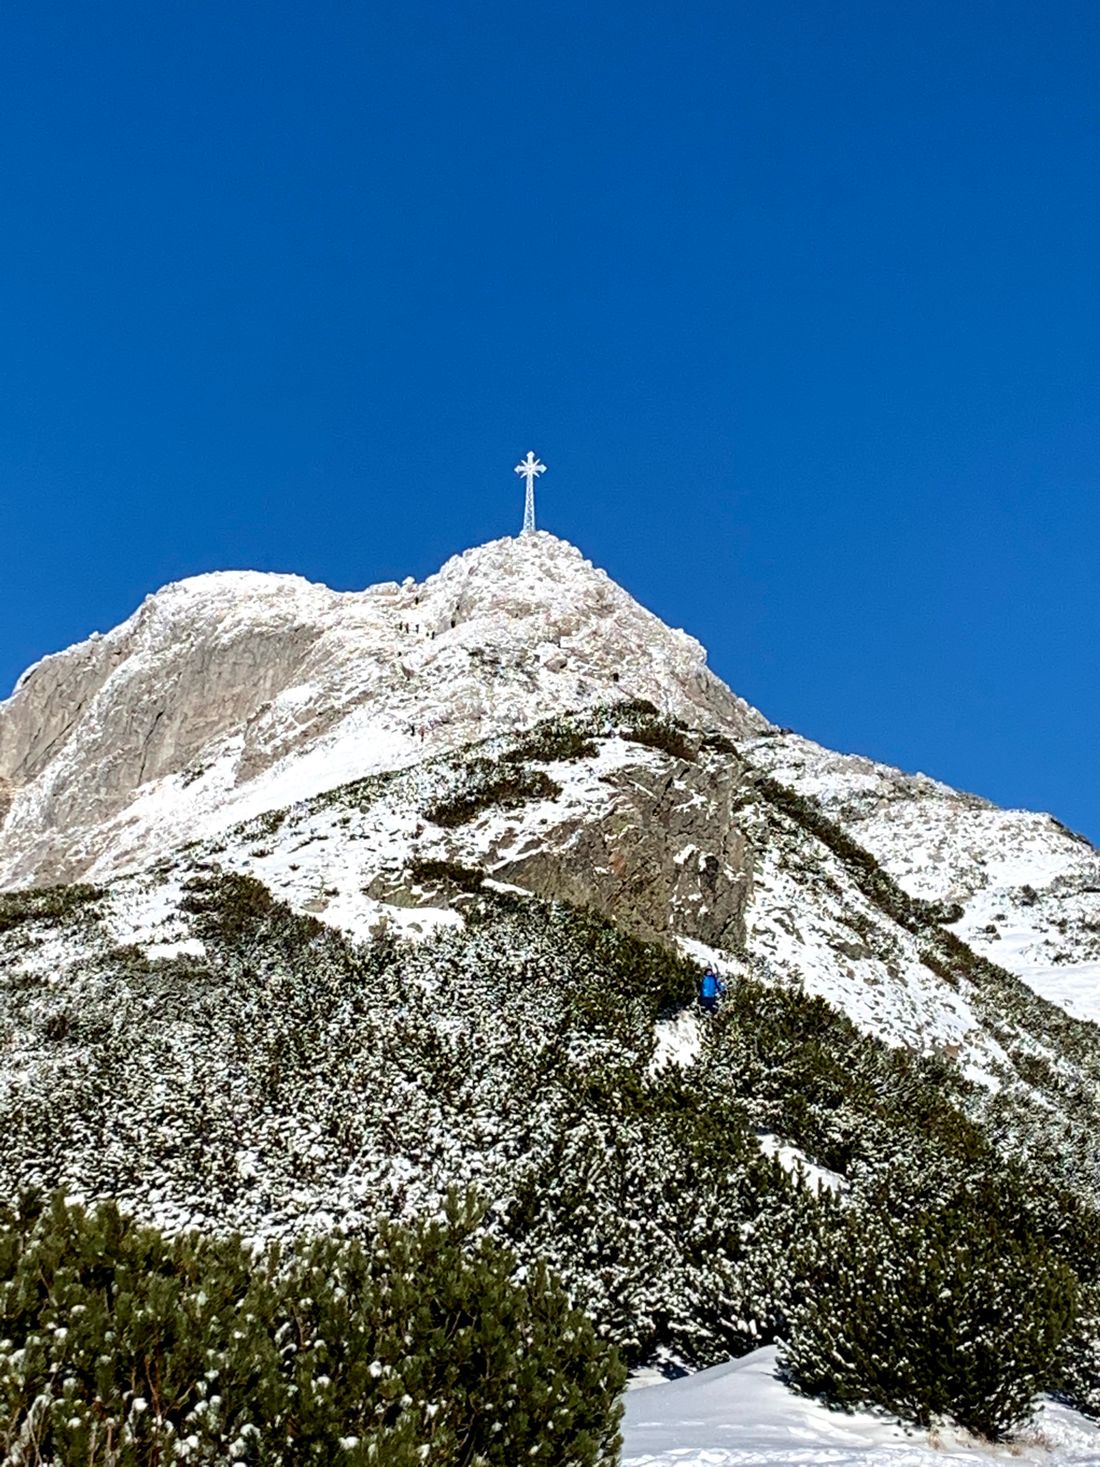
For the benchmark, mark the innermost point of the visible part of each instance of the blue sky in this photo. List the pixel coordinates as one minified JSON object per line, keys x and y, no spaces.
{"x":798,"y":301}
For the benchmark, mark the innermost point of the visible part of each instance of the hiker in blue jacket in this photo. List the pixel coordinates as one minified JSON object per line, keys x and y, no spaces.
{"x":711,"y":989}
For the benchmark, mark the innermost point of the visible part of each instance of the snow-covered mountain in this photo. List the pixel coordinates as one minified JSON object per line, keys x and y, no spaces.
{"x":234,"y":693}
{"x":234,"y":696}
{"x":314,"y":904}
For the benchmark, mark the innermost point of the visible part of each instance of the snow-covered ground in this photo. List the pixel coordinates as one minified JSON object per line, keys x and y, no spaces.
{"x":740,"y":1415}
{"x":1029,"y":888}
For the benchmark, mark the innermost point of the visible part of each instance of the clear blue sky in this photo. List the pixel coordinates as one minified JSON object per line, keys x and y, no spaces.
{"x":799,"y":301}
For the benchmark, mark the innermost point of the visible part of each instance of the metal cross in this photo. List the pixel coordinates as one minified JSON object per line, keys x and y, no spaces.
{"x":530,"y":468}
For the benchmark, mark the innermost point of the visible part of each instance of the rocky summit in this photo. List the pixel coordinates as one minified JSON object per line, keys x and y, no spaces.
{"x":315,"y":906}
{"x":233,"y":693}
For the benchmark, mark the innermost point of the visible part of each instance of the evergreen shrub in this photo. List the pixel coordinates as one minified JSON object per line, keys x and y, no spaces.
{"x":633,"y":708}
{"x":51,"y":904}
{"x":507,"y":786}
{"x":1078,"y":1377}
{"x":944,"y":1311}
{"x":662,"y":734}
{"x":232,"y":908}
{"x":550,"y":742}
{"x":430,"y":873}
{"x":120,"y":1346}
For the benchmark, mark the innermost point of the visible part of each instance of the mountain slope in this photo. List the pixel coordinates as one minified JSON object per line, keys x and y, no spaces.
{"x":1028,"y":888}
{"x":364,"y":925}
{"x":234,"y":693}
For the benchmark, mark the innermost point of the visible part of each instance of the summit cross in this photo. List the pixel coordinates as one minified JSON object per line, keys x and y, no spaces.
{"x":530,"y":468}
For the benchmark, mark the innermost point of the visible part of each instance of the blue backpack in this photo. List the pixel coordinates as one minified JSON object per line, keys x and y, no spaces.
{"x":710,"y":987}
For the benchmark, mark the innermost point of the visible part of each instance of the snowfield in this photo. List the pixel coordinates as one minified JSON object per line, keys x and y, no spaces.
{"x":741,"y":1415}
{"x":1029,"y":888}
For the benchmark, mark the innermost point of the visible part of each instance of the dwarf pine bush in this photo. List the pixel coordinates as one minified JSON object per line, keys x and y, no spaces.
{"x":46,"y":904}
{"x":504,"y":786}
{"x":514,"y":1055}
{"x":940,"y":1311}
{"x":1078,"y":1367}
{"x":422,"y":1343}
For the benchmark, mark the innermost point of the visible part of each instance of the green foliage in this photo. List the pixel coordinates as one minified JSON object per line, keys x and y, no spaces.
{"x":453,"y":873}
{"x":945,"y":1303}
{"x":808,"y":1074}
{"x":233,"y":908}
{"x":418,"y":1344}
{"x":514,"y":1054}
{"x":1078,"y":1372}
{"x":663,"y":734}
{"x":555,"y":740}
{"x":628,"y":709}
{"x":47,"y":904}
{"x":504,"y":785}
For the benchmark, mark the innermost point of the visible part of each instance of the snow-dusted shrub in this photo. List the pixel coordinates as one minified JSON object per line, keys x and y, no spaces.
{"x":420,"y":1343}
{"x":809,"y":1075}
{"x":505,"y":785}
{"x":49,"y":904}
{"x":450,"y":873}
{"x":289,"y":1080}
{"x":632,"y":709}
{"x":556,"y":740}
{"x":934,"y":1308}
{"x":1078,"y":1377}
{"x":663,"y":734}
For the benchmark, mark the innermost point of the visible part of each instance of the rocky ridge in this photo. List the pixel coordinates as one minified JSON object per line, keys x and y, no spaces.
{"x":236,"y":692}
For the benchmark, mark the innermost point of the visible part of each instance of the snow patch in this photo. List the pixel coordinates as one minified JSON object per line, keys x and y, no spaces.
{"x":796,"y":1163}
{"x":742,"y":1415}
{"x":677,"y":1042}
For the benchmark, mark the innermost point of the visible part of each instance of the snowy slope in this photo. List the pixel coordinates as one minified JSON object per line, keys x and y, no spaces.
{"x":1029,"y":888}
{"x":234,"y":693}
{"x":678,"y":849}
{"x":666,"y":848}
{"x":230,"y":698}
{"x":260,"y":727}
{"x":739,"y":1414}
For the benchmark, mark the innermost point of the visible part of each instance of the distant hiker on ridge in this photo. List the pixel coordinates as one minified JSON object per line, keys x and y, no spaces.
{"x":711,"y":989}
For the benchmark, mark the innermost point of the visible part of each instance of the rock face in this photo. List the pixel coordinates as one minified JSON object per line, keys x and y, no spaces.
{"x":236,"y":692}
{"x":667,"y":858}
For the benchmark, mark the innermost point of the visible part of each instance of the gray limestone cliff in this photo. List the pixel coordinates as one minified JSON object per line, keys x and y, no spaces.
{"x":237,"y":692}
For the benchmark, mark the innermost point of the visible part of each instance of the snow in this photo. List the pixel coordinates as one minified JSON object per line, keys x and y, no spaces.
{"x":678,"y":1041}
{"x":281,"y":689}
{"x":800,"y":930}
{"x":189,"y":947}
{"x":741,"y":1415}
{"x":795,"y":1161}
{"x":1029,"y":888}
{"x":706,"y":956}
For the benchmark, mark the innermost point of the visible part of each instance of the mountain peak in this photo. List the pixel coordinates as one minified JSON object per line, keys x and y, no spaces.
{"x":233,"y":692}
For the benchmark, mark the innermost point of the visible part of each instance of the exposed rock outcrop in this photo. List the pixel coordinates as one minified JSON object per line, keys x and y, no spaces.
{"x":233,"y":693}
{"x":667,"y":858}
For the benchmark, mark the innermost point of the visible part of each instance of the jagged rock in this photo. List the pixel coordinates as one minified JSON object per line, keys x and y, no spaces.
{"x":236,"y":692}
{"x":668,"y":857}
